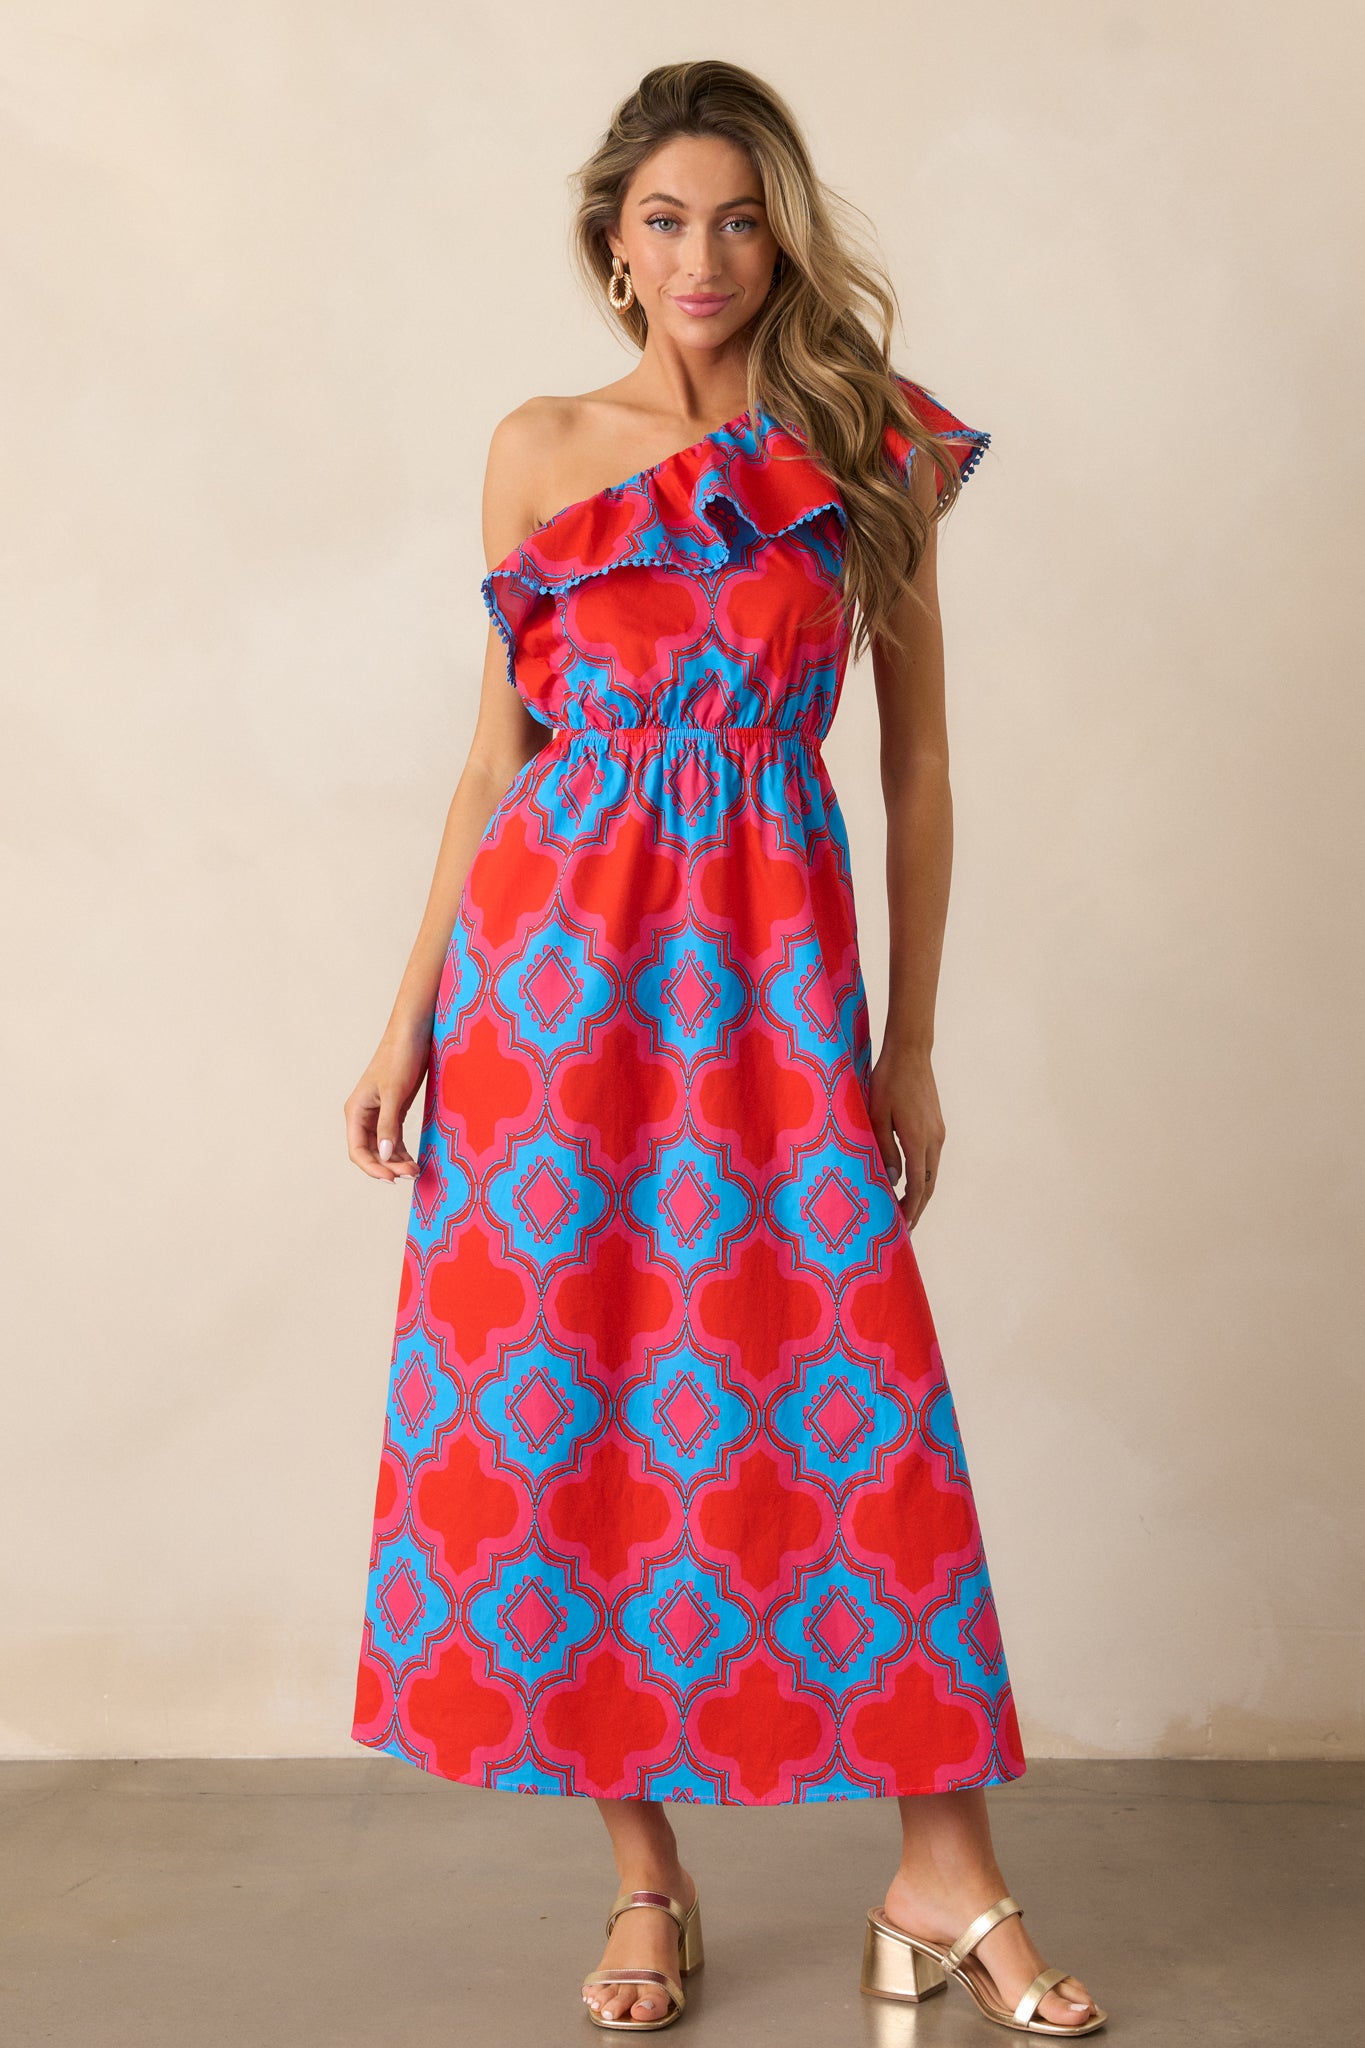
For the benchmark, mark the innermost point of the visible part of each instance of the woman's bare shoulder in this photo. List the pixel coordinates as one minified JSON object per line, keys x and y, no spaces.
{"x":534,"y":454}
{"x":528,"y":423}
{"x":558,"y":427}
{"x":521,"y":452}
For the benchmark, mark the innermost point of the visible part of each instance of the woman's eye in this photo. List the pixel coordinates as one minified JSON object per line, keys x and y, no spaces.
{"x":666,"y":220}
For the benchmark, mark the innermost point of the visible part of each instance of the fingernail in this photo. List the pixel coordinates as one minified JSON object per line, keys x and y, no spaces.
{"x":385,"y":1148}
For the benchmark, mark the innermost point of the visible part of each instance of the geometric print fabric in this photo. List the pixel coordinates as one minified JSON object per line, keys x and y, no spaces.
{"x":672,"y":1498}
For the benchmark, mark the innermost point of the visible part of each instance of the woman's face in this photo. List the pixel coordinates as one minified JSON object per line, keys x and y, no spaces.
{"x":694,"y":235}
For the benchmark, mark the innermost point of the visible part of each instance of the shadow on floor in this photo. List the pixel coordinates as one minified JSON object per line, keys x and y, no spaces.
{"x":330,"y":1902}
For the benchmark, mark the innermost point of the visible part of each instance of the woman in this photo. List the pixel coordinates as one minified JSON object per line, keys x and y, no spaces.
{"x":672,"y":1502}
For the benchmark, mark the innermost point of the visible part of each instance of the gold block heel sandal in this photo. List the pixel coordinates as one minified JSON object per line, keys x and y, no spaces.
{"x":690,"y":1958}
{"x":901,"y":1965}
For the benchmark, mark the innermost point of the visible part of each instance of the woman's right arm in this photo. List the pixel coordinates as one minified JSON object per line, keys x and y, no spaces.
{"x":505,"y":737}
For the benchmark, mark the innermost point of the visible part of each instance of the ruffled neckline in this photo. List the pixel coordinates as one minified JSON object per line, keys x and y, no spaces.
{"x":763,"y":473}
{"x":627,"y":483}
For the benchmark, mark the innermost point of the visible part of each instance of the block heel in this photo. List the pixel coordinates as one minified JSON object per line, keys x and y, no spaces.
{"x":900,"y":1965}
{"x":893,"y":1967}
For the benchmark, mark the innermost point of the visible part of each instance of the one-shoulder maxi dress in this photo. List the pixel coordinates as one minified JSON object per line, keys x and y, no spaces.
{"x":672,"y":1499}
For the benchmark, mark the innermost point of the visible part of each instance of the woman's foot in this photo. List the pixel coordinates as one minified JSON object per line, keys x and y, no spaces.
{"x":948,"y":1875}
{"x":938,"y":1908}
{"x":645,"y":1938}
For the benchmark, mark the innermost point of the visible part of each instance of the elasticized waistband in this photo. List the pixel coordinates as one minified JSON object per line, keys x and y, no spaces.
{"x":661,"y":731}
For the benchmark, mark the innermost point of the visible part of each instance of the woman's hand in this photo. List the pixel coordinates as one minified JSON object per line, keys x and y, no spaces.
{"x":381,"y":1098}
{"x":908,"y":1125}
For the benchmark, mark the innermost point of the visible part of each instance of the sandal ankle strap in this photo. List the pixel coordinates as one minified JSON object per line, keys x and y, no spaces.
{"x":983,"y":1923}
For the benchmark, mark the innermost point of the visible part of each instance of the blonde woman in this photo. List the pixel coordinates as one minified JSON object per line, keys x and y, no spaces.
{"x":673,"y":1504}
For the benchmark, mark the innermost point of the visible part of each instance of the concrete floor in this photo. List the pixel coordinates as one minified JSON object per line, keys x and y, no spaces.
{"x":338,"y":1901}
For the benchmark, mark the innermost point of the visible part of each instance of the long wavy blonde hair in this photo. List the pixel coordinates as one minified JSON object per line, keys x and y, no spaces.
{"x":819,"y":356}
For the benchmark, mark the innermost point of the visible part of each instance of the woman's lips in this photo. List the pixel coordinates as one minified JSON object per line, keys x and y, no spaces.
{"x":702,"y":303}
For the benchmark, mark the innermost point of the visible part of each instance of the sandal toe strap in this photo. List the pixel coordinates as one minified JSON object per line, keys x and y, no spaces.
{"x":1037,"y":1992}
{"x":653,"y":1978}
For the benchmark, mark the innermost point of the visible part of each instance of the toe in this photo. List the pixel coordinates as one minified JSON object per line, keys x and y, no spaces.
{"x":1068,"y":2004}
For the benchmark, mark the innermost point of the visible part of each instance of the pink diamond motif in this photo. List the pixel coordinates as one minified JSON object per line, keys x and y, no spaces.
{"x":692,"y":782}
{"x":400,"y":1599}
{"x":685,"y":1625}
{"x":545,"y":1199}
{"x":982,"y":1630}
{"x":429,"y":1188}
{"x":551,"y":988}
{"x":580,"y":786}
{"x":839,"y":1418}
{"x":815,"y":1000}
{"x":414,"y":1393}
{"x":688,"y":1203}
{"x":533,"y":1618}
{"x":690,"y":992}
{"x":539,"y":1410}
{"x":833,"y":1209}
{"x":710,"y":705}
{"x":686,"y":1414}
{"x":838,"y":1629}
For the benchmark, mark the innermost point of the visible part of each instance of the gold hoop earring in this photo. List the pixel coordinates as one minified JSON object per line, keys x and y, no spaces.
{"x":626,"y":298}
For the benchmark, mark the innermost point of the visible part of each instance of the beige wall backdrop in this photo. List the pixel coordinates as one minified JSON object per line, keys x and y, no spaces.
{"x":272,"y":272}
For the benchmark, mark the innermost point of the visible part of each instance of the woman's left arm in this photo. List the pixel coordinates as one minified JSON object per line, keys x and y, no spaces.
{"x":906,"y":1117}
